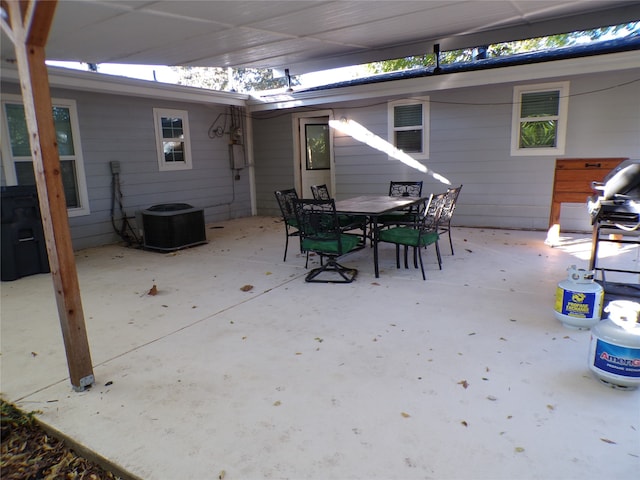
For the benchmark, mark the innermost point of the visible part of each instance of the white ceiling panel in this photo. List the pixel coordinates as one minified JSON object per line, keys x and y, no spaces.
{"x":235,"y":13}
{"x":68,"y":19}
{"x":303,"y":35}
{"x":408,"y":28}
{"x":331,"y":16}
{"x":228,"y":48}
{"x":143,"y":35}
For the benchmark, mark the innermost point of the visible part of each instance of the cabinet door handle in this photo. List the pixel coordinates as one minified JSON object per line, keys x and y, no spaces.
{"x":592,"y":165}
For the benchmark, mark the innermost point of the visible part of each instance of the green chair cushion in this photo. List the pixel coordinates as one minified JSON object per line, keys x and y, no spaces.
{"x":408,"y":236}
{"x":330,"y":246}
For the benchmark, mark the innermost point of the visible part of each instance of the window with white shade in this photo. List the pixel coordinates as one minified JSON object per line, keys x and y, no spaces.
{"x":539,"y":119}
{"x":408,"y":122}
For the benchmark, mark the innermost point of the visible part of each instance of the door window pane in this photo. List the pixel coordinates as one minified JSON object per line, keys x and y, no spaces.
{"x":317,"y":138}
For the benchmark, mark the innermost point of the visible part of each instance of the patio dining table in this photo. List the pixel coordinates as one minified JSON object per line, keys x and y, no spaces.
{"x":372,"y":206}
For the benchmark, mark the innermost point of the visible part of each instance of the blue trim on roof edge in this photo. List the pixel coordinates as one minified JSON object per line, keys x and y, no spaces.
{"x":600,"y":48}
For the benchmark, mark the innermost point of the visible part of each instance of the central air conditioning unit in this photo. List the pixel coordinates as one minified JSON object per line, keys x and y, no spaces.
{"x":172,"y":226}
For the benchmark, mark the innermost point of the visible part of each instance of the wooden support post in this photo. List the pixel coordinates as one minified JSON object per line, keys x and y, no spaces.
{"x":29,"y":29}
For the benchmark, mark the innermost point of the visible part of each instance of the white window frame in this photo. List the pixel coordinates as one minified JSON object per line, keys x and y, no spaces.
{"x":8,"y":160}
{"x":163,"y":165}
{"x":424,"y":101}
{"x":561,"y":118}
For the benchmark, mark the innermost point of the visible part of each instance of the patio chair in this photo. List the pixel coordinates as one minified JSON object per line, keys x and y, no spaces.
{"x":405,"y":189}
{"x":347,"y":222}
{"x":447,"y":212}
{"x":417,"y":234}
{"x":433,"y":211}
{"x":285,"y":202}
{"x":320,"y":232}
{"x":320,"y":192}
{"x":402,"y":189}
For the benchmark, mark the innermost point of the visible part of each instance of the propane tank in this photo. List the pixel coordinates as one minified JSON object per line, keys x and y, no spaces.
{"x":614,"y":352}
{"x":579,"y":299}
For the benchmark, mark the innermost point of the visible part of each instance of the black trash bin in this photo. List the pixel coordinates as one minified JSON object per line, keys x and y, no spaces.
{"x":24,"y":251}
{"x":172,"y":226}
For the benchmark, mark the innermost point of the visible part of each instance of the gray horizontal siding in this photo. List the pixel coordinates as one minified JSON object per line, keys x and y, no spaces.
{"x":273,"y":158}
{"x":470,"y":139}
{"x":362,"y":170}
{"x":121,"y":128}
{"x":470,"y":132}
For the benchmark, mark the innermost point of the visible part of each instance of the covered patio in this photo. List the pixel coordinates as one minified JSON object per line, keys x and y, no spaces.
{"x":237,"y":368}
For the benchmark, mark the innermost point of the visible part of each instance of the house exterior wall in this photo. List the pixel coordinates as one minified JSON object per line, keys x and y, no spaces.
{"x":470,"y":131}
{"x":273,"y":159}
{"x":470,"y":137}
{"x":114,"y":127}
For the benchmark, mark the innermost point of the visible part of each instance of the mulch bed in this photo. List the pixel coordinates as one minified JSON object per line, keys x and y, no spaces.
{"x":28,"y":452}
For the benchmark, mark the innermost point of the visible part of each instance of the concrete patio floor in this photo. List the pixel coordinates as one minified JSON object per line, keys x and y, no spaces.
{"x":465,"y":376}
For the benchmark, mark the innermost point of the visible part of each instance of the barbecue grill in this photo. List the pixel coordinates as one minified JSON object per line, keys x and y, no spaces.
{"x":615,"y":216}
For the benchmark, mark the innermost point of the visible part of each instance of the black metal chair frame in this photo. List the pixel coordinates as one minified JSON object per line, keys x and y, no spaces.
{"x":426,"y":223}
{"x":320,"y":192}
{"x":319,"y":227}
{"x":447,"y":212}
{"x":411,"y":189}
{"x":347,"y":222}
{"x":285,"y":200}
{"x":405,"y":188}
